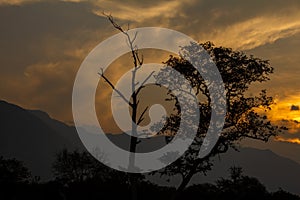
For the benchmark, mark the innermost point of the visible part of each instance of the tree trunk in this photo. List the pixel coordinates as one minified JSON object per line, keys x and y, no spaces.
{"x":186,"y":180}
{"x":133,"y":139}
{"x":133,"y":187}
{"x":182,"y":186}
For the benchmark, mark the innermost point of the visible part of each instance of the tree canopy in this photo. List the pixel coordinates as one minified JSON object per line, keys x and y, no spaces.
{"x":245,"y":115}
{"x":13,"y":171}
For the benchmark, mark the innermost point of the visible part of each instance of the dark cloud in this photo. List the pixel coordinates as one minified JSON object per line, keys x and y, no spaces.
{"x":294,"y":107}
{"x":284,"y":57}
{"x":240,"y":25}
{"x":28,"y":32}
{"x":43,"y":43}
{"x":42,"y":46}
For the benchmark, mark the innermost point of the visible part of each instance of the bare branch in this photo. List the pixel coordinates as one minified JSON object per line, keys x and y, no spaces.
{"x":112,"y":21}
{"x":134,"y":38}
{"x":148,"y":77}
{"x":142,"y":85}
{"x":114,"y":88}
{"x":134,"y":50}
{"x":141,"y":61}
{"x":141,"y":118}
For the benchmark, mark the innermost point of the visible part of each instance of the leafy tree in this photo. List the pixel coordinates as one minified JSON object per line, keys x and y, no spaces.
{"x":13,"y":171}
{"x":245,"y":116}
{"x":76,"y":167}
{"x":239,"y":186}
{"x":283,"y":195}
{"x":80,"y":174}
{"x":236,"y":187}
{"x":203,"y":191}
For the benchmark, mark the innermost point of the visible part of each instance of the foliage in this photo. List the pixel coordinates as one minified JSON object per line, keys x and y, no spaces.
{"x":245,"y":116}
{"x":76,"y":166}
{"x":239,"y":186}
{"x":13,"y":171}
{"x":115,"y":185}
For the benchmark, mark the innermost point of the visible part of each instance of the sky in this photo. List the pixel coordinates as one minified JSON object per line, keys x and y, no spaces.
{"x":44,"y":42}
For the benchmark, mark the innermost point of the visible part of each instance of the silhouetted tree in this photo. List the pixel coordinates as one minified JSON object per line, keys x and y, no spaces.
{"x":79,"y":173}
{"x":202,"y":191}
{"x":15,"y":179}
{"x":283,"y":195}
{"x":245,"y":116}
{"x":76,"y":167}
{"x":238,"y":186}
{"x":13,"y":171}
{"x":133,"y":103}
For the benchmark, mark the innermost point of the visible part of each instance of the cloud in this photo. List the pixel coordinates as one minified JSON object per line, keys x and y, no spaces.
{"x":256,"y":31}
{"x":283,"y":55}
{"x":294,"y":107}
{"x":44,"y":42}
{"x":16,"y":2}
{"x":284,"y":108}
{"x":285,"y":113}
{"x":42,"y":46}
{"x":139,"y":11}
{"x":281,"y":114}
{"x":41,"y":55}
{"x":290,"y":140}
{"x":241,"y":26}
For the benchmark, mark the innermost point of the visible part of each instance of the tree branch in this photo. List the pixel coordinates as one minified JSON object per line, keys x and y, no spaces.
{"x":142,"y":85}
{"x":141,"y":116}
{"x":114,"y":88}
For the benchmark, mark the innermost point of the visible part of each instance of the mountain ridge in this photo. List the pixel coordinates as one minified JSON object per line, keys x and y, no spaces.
{"x":46,"y":136}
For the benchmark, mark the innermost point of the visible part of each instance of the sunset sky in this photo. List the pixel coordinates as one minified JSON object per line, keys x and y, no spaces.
{"x":44,"y":42}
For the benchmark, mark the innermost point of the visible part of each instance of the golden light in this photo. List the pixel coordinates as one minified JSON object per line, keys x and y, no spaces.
{"x":282,"y":108}
{"x":291,"y":140}
{"x":286,"y":112}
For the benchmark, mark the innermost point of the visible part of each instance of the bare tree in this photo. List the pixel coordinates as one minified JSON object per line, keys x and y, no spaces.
{"x":133,"y":103}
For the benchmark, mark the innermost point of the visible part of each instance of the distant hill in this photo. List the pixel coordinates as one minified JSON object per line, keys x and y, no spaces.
{"x":34,"y":137}
{"x":272,"y":170}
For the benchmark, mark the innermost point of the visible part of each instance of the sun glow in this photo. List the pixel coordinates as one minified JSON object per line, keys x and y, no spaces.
{"x":286,"y":112}
{"x":291,"y":140}
{"x":286,"y":109}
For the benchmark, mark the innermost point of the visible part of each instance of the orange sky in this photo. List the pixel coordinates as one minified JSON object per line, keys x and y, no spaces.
{"x":44,"y":42}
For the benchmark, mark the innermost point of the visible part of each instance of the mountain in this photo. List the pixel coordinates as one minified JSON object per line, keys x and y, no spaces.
{"x":272,"y":170}
{"x":67,"y":132}
{"x":34,"y":137}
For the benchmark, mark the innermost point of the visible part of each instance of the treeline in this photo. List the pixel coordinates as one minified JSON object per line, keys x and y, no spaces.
{"x":77,"y":175}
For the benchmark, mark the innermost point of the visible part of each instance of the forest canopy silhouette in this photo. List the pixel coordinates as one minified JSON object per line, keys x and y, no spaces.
{"x":101,"y":181}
